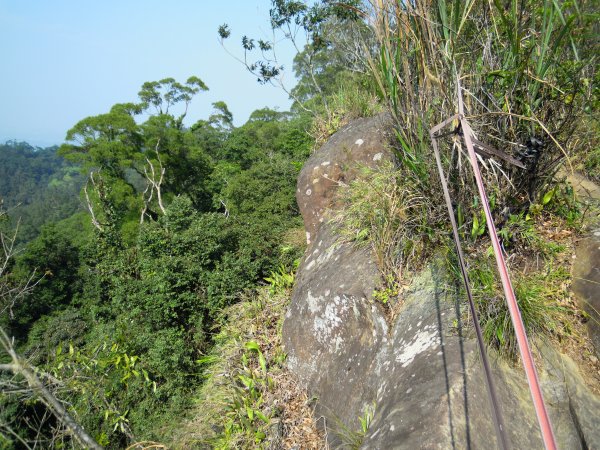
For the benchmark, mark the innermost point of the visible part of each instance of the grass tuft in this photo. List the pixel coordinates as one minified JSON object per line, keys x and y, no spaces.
{"x":380,"y":212}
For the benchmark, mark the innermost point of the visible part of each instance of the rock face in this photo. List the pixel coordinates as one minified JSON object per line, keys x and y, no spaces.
{"x":586,"y":269}
{"x":363,"y":141}
{"x":421,"y":377}
{"x":586,"y":281}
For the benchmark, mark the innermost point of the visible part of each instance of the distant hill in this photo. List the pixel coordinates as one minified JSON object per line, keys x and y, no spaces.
{"x":37,"y":186}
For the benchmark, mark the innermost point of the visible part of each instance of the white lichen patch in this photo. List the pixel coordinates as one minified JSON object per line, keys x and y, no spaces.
{"x":325,"y":324}
{"x":359,"y":142}
{"x":326,"y":256}
{"x":338,"y":341}
{"x":314,"y":303}
{"x":292,"y":362}
{"x":422,"y":341}
{"x":325,"y":163}
{"x":377,"y":156}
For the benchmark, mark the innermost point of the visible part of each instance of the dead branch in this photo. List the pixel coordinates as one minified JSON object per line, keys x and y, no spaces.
{"x":146,"y":201}
{"x":89,"y":203}
{"x":21,"y":367}
{"x":153,"y":184}
{"x":226,"y":213}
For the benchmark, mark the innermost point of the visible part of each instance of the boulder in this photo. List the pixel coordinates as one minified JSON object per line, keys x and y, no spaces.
{"x":332,"y":330}
{"x":586,"y":282}
{"x":586,"y":267}
{"x":361,"y":142}
{"x":421,"y":376}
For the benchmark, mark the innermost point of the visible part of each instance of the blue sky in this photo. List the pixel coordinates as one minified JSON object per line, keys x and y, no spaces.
{"x":63,"y":60}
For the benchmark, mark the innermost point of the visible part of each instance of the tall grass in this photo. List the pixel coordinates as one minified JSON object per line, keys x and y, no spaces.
{"x":527,"y":69}
{"x":525,"y":80}
{"x":536,"y":295}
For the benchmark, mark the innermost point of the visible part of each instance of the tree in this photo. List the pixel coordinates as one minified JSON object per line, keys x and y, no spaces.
{"x":316,"y":31}
{"x":56,"y":259}
{"x":159,"y":153}
{"x":38,"y":187}
{"x":24,"y":377}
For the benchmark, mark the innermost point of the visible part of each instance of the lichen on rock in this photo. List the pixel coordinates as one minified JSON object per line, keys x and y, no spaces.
{"x":422,"y":373}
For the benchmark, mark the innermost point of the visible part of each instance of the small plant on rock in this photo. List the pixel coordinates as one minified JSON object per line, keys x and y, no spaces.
{"x":378,"y":211}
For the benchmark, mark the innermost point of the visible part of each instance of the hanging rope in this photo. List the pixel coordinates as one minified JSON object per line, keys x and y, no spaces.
{"x":515,"y":314}
{"x":491,"y":389}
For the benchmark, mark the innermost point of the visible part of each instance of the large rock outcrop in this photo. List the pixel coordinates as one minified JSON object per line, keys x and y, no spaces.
{"x":362,"y":142}
{"x":422,"y":375}
{"x":586,"y":268}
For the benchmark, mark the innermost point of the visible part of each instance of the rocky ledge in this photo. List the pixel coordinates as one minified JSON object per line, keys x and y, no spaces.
{"x":421,"y":377}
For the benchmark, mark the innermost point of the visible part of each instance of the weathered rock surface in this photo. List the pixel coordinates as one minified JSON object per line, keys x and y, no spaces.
{"x":364,"y":141}
{"x":422,"y":377}
{"x":586,"y":282}
{"x":586,"y":268}
{"x":333,"y":334}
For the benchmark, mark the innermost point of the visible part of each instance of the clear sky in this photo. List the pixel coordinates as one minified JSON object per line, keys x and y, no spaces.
{"x":63,"y":60}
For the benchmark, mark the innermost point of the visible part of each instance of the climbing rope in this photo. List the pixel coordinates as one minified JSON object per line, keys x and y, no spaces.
{"x":491,"y":389}
{"x":515,"y":314}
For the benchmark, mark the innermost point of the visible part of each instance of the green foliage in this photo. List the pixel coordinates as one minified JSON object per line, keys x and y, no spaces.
{"x":281,"y":280}
{"x":100,"y":384}
{"x":236,"y":404}
{"x":353,"y":438}
{"x":37,"y":187}
{"x":164,"y":94}
{"x":538,"y":295}
{"x":526,"y":70}
{"x":334,"y":50}
{"x":138,"y":296}
{"x":244,"y":413}
{"x":123,"y":152}
{"x":592,"y":164}
{"x":54,"y":258}
{"x":388,"y":294}
{"x":561,"y":200}
{"x":379,"y":211}
{"x":479,"y":225}
{"x":354,"y":98}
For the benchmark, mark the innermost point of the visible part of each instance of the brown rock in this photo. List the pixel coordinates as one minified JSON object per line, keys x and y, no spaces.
{"x":361,"y":142}
{"x":422,"y":376}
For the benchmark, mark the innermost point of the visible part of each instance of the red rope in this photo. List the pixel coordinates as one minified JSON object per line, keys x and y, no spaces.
{"x":515,"y":313}
{"x":491,"y":389}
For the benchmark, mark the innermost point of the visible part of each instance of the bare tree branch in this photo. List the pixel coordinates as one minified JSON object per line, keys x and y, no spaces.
{"x":21,"y":367}
{"x":152,"y":183}
{"x":89,"y":203}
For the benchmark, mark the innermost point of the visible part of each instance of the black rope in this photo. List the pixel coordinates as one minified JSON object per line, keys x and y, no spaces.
{"x":491,"y":389}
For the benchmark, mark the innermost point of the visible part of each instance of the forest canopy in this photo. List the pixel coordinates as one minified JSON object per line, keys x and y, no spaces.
{"x":125,"y":247}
